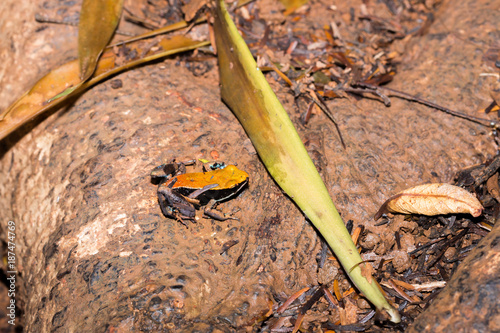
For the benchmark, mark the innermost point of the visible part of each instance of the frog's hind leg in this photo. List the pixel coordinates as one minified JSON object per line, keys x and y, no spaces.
{"x":200,"y":191}
{"x":211,"y":212}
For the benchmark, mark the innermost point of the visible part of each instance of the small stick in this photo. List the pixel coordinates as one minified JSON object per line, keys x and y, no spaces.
{"x":329,"y":297}
{"x":398,"y":239}
{"x":445,"y":246}
{"x":489,"y":171}
{"x":383,"y":92}
{"x":399,"y":94}
{"x":319,"y":102}
{"x":292,"y":298}
{"x":422,"y":247}
{"x":40,"y":18}
{"x":376,"y":92}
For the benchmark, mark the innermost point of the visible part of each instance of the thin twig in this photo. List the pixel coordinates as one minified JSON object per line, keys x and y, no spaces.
{"x":412,"y":98}
{"x":445,"y":246}
{"x":46,"y":19}
{"x":290,"y":300}
{"x":384,"y":92}
{"x":319,"y":102}
{"x":489,"y":171}
{"x":376,"y":92}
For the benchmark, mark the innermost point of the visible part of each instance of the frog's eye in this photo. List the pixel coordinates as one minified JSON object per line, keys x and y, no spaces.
{"x":169,"y":169}
{"x":217,"y":166}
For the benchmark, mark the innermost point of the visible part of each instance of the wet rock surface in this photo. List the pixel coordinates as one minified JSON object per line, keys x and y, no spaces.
{"x":89,"y":226}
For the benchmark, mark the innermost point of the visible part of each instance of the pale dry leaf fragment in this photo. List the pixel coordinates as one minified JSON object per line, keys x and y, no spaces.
{"x":351,"y":312}
{"x":367,"y":271}
{"x":191,"y":9}
{"x":432,"y":199}
{"x":493,"y":188}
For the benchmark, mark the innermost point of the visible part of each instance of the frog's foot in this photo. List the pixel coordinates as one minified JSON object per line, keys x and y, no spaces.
{"x":211,"y":212}
{"x":183,"y":220}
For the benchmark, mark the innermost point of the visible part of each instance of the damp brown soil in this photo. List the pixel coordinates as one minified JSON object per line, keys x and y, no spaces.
{"x":95,"y":253}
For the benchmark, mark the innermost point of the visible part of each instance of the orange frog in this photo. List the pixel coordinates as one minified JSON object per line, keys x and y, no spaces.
{"x":180,"y":193}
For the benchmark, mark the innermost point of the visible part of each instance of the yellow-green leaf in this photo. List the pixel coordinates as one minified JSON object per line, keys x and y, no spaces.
{"x":98,"y":21}
{"x":65,"y":81}
{"x":246,"y":91}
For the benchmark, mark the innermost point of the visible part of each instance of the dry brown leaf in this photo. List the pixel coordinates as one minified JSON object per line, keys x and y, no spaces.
{"x":351,"y":312}
{"x":432,"y":199}
{"x":493,"y":188}
{"x":98,"y":21}
{"x":64,"y":82}
{"x":292,"y":5}
{"x":191,"y":9}
{"x":367,"y":271}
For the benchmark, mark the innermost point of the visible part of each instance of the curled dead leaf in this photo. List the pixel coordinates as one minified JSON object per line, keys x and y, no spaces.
{"x":432,"y":199}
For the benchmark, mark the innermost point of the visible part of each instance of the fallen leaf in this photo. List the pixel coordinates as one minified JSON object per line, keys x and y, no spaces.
{"x":64,"y":82}
{"x":367,"y":271}
{"x":98,"y":21}
{"x":493,"y":188}
{"x":292,"y":5}
{"x":432,"y":199}
{"x":351,"y":312}
{"x":192,"y":8}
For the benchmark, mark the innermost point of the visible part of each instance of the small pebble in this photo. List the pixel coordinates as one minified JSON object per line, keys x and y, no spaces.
{"x":370,"y":241}
{"x":116,"y":84}
{"x":401,"y":261}
{"x":214,"y":154}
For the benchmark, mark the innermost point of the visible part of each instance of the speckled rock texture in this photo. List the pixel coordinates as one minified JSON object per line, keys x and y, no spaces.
{"x":96,"y":254}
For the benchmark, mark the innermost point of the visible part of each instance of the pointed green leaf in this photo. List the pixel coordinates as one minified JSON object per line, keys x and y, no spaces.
{"x":98,"y":21}
{"x":246,"y":91}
